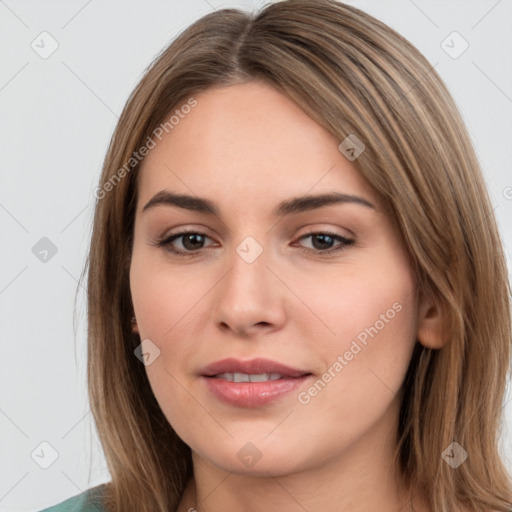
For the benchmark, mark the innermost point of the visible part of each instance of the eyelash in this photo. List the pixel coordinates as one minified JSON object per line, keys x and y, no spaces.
{"x":166,"y":242}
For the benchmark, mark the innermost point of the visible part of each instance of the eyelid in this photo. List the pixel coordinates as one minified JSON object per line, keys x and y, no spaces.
{"x":328,"y":231}
{"x":194,"y":229}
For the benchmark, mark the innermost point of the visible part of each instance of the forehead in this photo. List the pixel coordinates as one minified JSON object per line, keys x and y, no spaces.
{"x":247,"y":142}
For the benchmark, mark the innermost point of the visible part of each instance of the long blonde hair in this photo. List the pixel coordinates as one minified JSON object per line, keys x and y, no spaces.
{"x":353,"y":75}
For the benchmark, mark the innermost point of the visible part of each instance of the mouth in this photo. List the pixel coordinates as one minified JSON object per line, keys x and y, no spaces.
{"x":252,"y":383}
{"x":247,"y":377}
{"x":265,"y":369}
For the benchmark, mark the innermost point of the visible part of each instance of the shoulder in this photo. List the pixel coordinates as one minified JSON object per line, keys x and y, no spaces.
{"x":88,"y":501}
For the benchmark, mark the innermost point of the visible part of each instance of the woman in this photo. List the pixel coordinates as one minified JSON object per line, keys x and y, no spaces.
{"x":298,"y":298}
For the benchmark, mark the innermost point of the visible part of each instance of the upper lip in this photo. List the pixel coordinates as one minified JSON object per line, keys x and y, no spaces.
{"x":251,"y":367}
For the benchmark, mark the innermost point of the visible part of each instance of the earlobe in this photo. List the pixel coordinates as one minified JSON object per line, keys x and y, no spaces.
{"x":431,"y":333}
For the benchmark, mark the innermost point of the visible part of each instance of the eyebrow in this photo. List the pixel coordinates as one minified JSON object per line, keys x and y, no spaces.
{"x":287,"y":207}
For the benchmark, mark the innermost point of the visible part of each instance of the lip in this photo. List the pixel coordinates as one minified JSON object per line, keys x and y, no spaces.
{"x":252,"y":394}
{"x":252,"y":366}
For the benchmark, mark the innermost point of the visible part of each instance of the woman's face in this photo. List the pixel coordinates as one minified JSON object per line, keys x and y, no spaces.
{"x":265,"y":353}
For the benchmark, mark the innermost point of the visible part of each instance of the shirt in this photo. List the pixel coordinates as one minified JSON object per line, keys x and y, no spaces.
{"x":88,"y":501}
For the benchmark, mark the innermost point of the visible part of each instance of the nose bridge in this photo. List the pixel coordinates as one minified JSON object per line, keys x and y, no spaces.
{"x":248,"y":268}
{"x":247,"y":295}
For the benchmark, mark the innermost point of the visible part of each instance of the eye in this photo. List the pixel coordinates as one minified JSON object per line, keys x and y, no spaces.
{"x":324,"y":242}
{"x":188,"y":242}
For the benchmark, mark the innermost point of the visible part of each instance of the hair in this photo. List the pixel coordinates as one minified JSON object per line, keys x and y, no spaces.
{"x":352,"y":74}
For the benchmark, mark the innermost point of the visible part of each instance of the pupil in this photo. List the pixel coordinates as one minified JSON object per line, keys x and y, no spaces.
{"x":324,"y":238}
{"x":195,"y":239}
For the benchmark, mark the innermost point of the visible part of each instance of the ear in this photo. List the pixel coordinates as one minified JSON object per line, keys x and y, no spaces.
{"x":431,"y":333}
{"x":135,"y":327}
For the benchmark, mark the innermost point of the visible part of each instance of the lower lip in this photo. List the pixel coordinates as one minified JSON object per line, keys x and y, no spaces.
{"x":252,"y":394}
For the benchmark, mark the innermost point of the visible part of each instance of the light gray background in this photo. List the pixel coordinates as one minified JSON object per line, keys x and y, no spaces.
{"x":57,"y":117}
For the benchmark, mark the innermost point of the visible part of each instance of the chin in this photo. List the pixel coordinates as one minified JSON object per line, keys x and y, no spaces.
{"x":258,"y":458}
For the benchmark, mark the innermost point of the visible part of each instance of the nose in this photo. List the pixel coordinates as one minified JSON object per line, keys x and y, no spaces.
{"x":250,"y":299}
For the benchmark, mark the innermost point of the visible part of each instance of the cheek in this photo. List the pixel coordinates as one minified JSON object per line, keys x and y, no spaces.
{"x":171,"y":307}
{"x":163,"y":298}
{"x":363,"y":303}
{"x":165,"y":305}
{"x":365,"y":361}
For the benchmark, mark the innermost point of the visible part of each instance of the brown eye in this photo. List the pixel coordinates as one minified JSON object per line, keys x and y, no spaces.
{"x":185,"y":243}
{"x":326,"y":242}
{"x":192,"y":241}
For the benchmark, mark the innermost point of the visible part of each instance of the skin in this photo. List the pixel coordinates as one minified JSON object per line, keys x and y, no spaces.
{"x":247,"y":148}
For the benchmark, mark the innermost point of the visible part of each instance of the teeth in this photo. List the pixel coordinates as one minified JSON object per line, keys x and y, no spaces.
{"x":245,"y":377}
{"x":224,"y":376}
{"x":261,"y":377}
